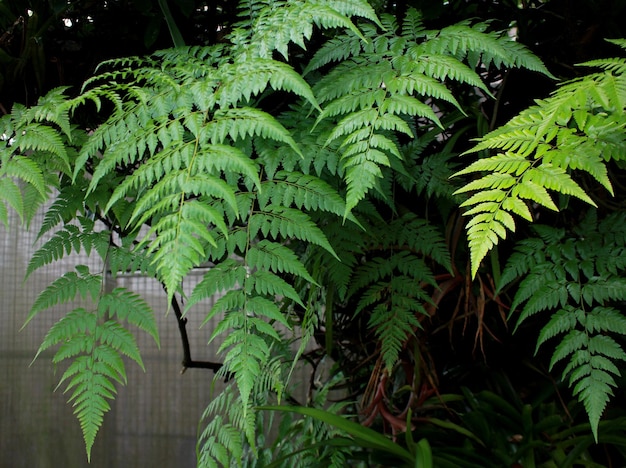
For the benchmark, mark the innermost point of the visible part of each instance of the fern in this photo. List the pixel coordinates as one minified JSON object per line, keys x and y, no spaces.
{"x":94,"y":344}
{"x":67,"y":240}
{"x":372,"y":98}
{"x":35,"y":145}
{"x":391,"y":286}
{"x":191,"y":167}
{"x":573,"y":281}
{"x":578,"y":128}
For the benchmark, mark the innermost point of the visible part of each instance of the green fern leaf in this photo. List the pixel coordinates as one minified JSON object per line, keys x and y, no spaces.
{"x":67,"y":203}
{"x":28,"y":170}
{"x":277,"y":221}
{"x":130,"y":307}
{"x":605,"y":319}
{"x":266,"y":283}
{"x":65,"y":289}
{"x":561,"y":321}
{"x":276,"y":257}
{"x":76,"y":323}
{"x":89,"y":398}
{"x":12,"y":196}
{"x":247,"y":352}
{"x":111,"y":334}
{"x":222,"y":277}
{"x":303,"y":191}
{"x":65,"y":241}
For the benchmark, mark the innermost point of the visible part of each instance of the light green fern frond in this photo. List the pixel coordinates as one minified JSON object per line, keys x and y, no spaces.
{"x":70,"y":239}
{"x":94,"y":344}
{"x":578,"y":128}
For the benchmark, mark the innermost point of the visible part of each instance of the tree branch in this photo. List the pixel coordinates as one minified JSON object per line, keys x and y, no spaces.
{"x":188,"y":362}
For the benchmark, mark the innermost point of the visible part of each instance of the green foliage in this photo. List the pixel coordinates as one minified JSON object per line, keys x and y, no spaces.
{"x":580,"y":127}
{"x":35,"y":146}
{"x":300,"y":192}
{"x":578,"y":277}
{"x":371,"y":98}
{"x":391,"y":286}
{"x":94,"y":341}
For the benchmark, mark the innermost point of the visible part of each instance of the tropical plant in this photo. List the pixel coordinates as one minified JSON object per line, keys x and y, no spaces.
{"x":579,"y":129}
{"x":299,"y":180}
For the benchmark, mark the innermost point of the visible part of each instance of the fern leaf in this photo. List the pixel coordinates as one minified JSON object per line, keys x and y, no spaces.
{"x":12,"y":196}
{"x":67,"y":203}
{"x":65,"y":289}
{"x":222,"y":277}
{"x":266,"y":283}
{"x":112,"y":335}
{"x":280,"y":221}
{"x":128,"y":306}
{"x":91,"y":392}
{"x":605,"y":319}
{"x":249,"y":78}
{"x":555,"y":178}
{"x":442,"y":67}
{"x":276,"y":257}
{"x":28,"y":170}
{"x":303,"y":191}
{"x":181,"y":241}
{"x":78,"y":322}
{"x":247,"y":352}
{"x":561,"y":321}
{"x":65,"y":241}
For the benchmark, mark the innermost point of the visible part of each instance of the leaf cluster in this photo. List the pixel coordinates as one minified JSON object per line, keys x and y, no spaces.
{"x":577,"y":277}
{"x":578,"y":129}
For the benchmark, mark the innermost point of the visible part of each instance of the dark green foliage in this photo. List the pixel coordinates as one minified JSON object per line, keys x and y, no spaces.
{"x":578,"y":276}
{"x":321,"y":201}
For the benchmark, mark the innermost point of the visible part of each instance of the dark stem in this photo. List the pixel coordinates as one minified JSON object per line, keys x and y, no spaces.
{"x":182,"y":328}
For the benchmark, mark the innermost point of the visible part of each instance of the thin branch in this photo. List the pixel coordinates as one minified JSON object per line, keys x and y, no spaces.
{"x":188,"y":362}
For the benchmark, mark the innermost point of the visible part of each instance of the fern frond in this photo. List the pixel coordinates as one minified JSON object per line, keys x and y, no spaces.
{"x":269,"y":284}
{"x":181,"y":242}
{"x":544,"y":143}
{"x":77,"y":323}
{"x":559,"y":275}
{"x":65,"y":289}
{"x":277,"y":258}
{"x":96,"y":348}
{"x":249,"y":78}
{"x":11,"y":195}
{"x":112,"y":335}
{"x":128,"y":306}
{"x":91,"y":390}
{"x":65,"y":241}
{"x":303,"y":191}
{"x":280,"y":221}
{"x":222,"y":277}
{"x":27,"y":170}
{"x":392,"y":327}
{"x":67,"y":203}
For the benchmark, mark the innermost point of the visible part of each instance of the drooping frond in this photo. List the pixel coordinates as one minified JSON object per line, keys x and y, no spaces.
{"x":570,"y":279}
{"x":578,"y":128}
{"x":391,"y":287}
{"x":95,"y":342}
